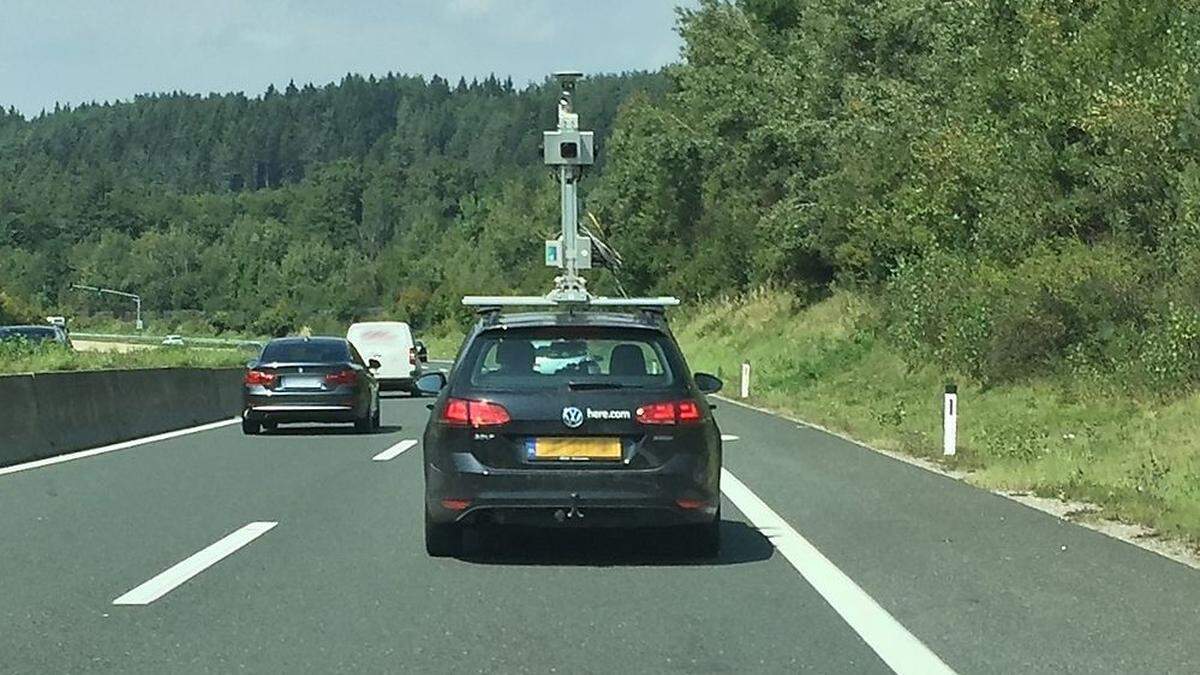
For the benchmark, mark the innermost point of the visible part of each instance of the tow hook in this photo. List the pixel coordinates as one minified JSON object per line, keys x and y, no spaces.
{"x":575,"y":512}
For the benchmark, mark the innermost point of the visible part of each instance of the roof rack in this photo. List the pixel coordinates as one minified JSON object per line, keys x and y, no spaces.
{"x":494,"y":304}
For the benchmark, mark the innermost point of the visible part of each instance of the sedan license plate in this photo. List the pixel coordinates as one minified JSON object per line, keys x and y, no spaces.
{"x":574,"y":448}
{"x":302,"y":382}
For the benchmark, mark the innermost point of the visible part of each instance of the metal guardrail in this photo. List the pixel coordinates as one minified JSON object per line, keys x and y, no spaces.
{"x":157,"y":340}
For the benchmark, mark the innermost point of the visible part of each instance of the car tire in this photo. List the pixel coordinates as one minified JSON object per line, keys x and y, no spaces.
{"x":270,"y":426}
{"x":250,"y":427}
{"x":363,"y":424}
{"x":442,"y":540}
{"x":377,"y":418}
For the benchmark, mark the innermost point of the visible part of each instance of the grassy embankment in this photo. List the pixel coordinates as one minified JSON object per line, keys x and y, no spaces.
{"x":53,"y":359}
{"x":1138,"y":459}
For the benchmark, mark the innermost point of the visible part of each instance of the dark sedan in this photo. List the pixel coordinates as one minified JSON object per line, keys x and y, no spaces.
{"x":35,"y":335}
{"x":310,"y":379}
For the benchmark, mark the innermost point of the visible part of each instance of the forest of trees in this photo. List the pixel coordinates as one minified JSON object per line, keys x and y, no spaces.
{"x":1016,"y":181}
{"x":306,"y":207}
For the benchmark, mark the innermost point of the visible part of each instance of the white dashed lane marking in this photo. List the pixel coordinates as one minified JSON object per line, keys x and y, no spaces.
{"x":394,"y":451}
{"x":179,"y":573}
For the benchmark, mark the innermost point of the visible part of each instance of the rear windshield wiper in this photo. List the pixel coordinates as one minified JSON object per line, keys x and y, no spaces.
{"x":585,"y":386}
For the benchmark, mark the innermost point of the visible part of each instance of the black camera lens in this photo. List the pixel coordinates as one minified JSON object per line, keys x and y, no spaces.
{"x":568,"y":150}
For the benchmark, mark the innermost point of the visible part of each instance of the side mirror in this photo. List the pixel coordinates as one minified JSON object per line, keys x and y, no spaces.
{"x":708,"y":384}
{"x":373,"y":364}
{"x":431,"y":384}
{"x":422,"y":352}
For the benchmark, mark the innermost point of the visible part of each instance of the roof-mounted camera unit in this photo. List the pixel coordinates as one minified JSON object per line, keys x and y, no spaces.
{"x":571,"y":151}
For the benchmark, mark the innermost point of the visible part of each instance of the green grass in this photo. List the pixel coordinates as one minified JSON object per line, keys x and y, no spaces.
{"x":1139,"y":460}
{"x":55,"y":359}
{"x":442,"y":347}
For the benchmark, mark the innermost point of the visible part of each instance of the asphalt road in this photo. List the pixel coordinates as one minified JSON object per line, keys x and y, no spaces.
{"x":341,"y":582}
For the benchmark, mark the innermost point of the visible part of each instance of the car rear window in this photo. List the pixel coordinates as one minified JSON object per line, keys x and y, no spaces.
{"x":314,"y":351}
{"x":558,"y":357}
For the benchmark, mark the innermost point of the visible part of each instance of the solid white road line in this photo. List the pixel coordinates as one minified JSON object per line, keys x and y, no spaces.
{"x":394,"y":451}
{"x":177,"y":574}
{"x":729,"y":437}
{"x":898,"y":648}
{"x":37,"y":464}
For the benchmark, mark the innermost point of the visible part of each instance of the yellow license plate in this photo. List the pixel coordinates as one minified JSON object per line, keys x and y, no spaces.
{"x":577,"y":448}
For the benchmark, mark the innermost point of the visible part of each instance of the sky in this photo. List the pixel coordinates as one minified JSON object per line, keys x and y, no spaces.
{"x":74,"y":51}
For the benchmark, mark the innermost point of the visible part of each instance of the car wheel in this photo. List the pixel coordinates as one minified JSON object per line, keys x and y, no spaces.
{"x":362,"y":424}
{"x":442,"y":540}
{"x":377,"y":418}
{"x":250,"y":427}
{"x":270,"y":426}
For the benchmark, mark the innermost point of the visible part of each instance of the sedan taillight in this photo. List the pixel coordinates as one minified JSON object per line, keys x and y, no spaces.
{"x":463,"y":413}
{"x":340,"y":378}
{"x":261,"y":379}
{"x":669,"y":412}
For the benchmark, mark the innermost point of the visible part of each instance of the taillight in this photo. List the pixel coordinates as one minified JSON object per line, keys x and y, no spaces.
{"x":259,"y":378}
{"x":457,"y":413}
{"x":669,"y":412}
{"x":688,"y":412}
{"x":657,"y":413}
{"x":340,"y":378}
{"x":412,"y":356}
{"x":462,"y":413}
{"x":484,"y":414}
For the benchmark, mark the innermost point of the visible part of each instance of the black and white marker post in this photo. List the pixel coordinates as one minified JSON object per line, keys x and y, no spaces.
{"x":950,"y":421}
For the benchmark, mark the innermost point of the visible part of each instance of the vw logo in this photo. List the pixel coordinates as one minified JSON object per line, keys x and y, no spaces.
{"x":572,"y":417}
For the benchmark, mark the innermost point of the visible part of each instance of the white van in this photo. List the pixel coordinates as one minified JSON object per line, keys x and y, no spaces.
{"x":390,"y":343}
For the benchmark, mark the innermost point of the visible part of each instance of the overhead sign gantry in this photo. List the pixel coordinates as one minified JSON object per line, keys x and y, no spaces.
{"x":571,"y":151}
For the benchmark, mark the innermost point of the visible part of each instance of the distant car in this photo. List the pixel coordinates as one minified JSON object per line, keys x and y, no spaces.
{"x":310,"y":379}
{"x":173,"y":341}
{"x":35,"y":335}
{"x":391,"y":343}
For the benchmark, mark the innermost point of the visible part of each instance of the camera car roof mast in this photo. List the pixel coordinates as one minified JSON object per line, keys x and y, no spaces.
{"x":570,"y":151}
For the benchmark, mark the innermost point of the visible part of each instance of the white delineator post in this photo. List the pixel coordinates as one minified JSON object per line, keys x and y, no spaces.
{"x":745,"y":379}
{"x":950,"y":421}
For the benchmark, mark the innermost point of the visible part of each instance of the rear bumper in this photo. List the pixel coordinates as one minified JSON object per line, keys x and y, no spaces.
{"x":305,"y":408}
{"x":683,"y":491}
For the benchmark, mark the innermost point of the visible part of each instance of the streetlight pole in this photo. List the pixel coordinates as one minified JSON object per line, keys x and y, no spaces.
{"x":137,"y":299}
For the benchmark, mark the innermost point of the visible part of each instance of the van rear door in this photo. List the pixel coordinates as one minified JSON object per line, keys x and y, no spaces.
{"x":388,"y":342}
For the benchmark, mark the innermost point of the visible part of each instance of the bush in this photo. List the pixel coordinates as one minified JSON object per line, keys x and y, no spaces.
{"x":16,"y":311}
{"x":1170,"y":357}
{"x":1070,"y":305}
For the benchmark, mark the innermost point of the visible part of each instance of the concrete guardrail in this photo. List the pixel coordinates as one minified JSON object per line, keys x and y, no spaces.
{"x":48,"y":414}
